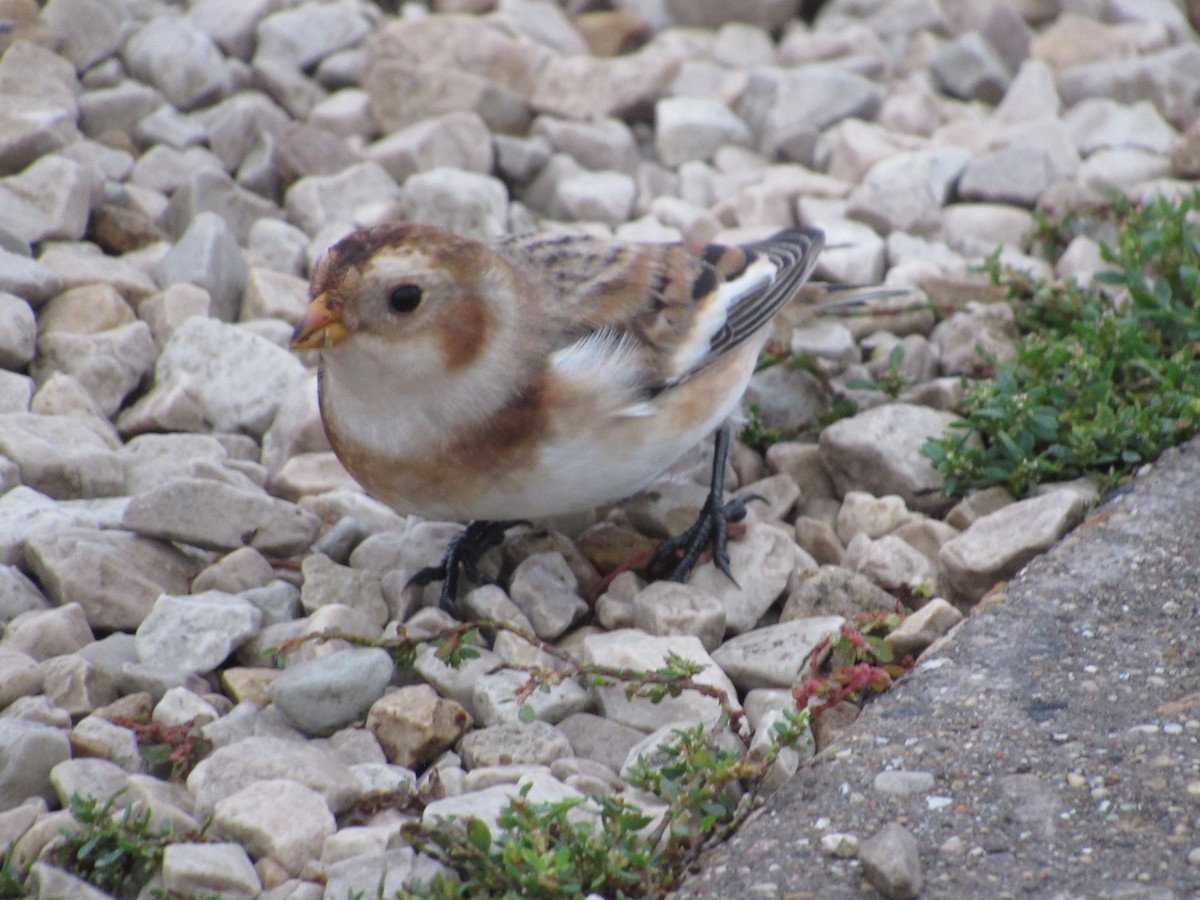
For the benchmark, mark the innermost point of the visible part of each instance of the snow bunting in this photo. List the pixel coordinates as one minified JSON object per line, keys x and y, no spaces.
{"x":537,"y":375}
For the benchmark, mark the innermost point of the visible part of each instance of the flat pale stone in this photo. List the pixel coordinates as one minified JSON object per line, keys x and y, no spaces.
{"x":179,"y":705}
{"x":890,"y":561}
{"x":499,"y":54}
{"x":97,"y":737}
{"x":278,"y":818}
{"x":303,"y":37}
{"x":231,"y":768}
{"x":19,"y":676}
{"x":207,"y":255}
{"x":274,"y":295}
{"x":312,"y":474}
{"x":879,"y":451}
{"x":18,"y":332}
{"x":196,"y":632}
{"x":222,"y":869}
{"x":316,"y":200}
{"x":387,"y":870}
{"x":114,"y":576}
{"x":30,"y":752}
{"x":210,"y":190}
{"x":923,"y":627}
{"x":1033,"y":157}
{"x":970,"y":68}
{"x":774,"y":656}
{"x":788,"y":108}
{"x":488,"y":804}
{"x":96,"y":778}
{"x":87,"y":309}
{"x":862,"y":513}
{"x":109,"y":364}
{"x":695,"y":128}
{"x":49,"y":881}
{"x":180,"y":60}
{"x":327,"y":582}
{"x":457,"y":684}
{"x":468,"y":203}
{"x":907,"y":191}
{"x":25,"y":512}
{"x":238,"y":377}
{"x":151,"y":459}
{"x":997,"y":545}
{"x":78,"y":264}
{"x":241,"y":570}
{"x":761,"y":562}
{"x":631,"y":649}
{"x":49,"y":200}
{"x":89,"y":30}
{"x":494,"y":699}
{"x":221,"y":516}
{"x":545,"y":589}
{"x":16,"y":391}
{"x":25,"y":277}
{"x":18,"y":594}
{"x":834,"y":590}
{"x":458,"y":140}
{"x":46,"y":633}
{"x":597,"y":739}
{"x":665,"y":608}
{"x":514,"y":743}
{"x":63,"y":456}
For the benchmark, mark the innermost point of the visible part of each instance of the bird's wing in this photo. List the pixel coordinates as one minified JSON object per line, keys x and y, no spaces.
{"x":660,"y":312}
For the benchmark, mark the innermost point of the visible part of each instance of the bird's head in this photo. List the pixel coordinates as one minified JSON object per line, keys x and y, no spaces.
{"x":412,"y":295}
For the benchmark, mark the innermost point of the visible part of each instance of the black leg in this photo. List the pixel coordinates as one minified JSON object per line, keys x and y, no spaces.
{"x":711,"y":528}
{"x":463,"y":553}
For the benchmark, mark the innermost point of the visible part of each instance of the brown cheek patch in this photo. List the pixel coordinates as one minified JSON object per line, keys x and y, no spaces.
{"x":463,"y":331}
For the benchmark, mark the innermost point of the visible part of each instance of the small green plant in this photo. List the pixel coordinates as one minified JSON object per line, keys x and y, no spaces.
{"x":858,"y":660}
{"x":13,"y":876}
{"x":892,"y":382}
{"x":116,"y":853}
{"x":757,"y":434}
{"x":172,"y":749}
{"x":1097,"y":389}
{"x":601,"y":844}
{"x":841,"y":408}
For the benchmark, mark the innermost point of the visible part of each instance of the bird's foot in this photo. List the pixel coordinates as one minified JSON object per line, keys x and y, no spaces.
{"x":710,"y":530}
{"x":463,"y":556}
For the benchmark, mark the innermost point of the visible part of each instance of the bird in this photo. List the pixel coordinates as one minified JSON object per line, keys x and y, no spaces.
{"x":493,"y":382}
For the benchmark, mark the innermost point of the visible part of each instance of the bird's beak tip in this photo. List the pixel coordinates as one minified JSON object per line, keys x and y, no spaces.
{"x":321,"y":326}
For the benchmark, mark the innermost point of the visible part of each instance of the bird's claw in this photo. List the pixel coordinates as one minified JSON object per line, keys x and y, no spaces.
{"x":463,"y":555}
{"x":711,"y":529}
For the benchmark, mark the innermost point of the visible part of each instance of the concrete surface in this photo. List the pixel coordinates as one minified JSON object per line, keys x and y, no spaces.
{"x":1060,"y":723}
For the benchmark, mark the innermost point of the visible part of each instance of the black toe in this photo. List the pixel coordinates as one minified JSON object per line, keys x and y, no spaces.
{"x":463,"y":556}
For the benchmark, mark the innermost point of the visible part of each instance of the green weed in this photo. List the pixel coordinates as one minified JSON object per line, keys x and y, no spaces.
{"x":116,"y":853}
{"x":1097,"y":388}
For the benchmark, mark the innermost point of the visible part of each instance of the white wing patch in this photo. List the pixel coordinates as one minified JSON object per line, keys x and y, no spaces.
{"x":712,"y":312}
{"x":605,"y":362}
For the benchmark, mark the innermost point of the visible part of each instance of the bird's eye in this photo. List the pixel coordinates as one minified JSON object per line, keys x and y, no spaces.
{"x":404,"y":298}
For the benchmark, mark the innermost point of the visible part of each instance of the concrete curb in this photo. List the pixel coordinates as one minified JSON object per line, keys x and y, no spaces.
{"x":1060,"y":724}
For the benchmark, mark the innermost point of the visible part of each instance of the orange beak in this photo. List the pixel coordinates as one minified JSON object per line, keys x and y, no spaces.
{"x":322,"y":324}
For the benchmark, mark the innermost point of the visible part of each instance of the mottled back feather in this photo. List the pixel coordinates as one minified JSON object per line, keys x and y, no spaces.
{"x":658,"y":294}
